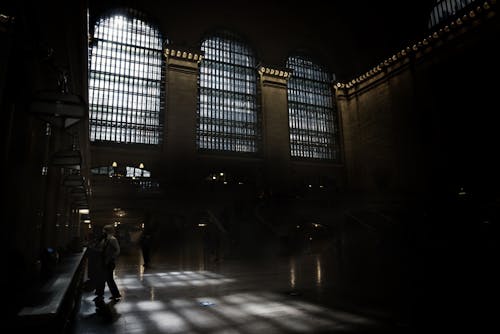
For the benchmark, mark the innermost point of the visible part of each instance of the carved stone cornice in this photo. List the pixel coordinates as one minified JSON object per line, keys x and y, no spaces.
{"x":174,"y":53}
{"x":180,"y":59}
{"x":450,"y":30}
{"x":274,"y":76}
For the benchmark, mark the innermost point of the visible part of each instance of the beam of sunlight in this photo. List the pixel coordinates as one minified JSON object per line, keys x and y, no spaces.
{"x":150,"y":305}
{"x":349,"y":317}
{"x":169,"y":322}
{"x":235,"y":299}
{"x":299,"y":325}
{"x":263,"y":327}
{"x":124,"y":307}
{"x":309,"y":307}
{"x":182,"y":303}
{"x":270,"y":309}
{"x":234,"y":313}
{"x":202,"y":319}
{"x":239,"y":312}
{"x":129,"y":283}
{"x":135,"y":324}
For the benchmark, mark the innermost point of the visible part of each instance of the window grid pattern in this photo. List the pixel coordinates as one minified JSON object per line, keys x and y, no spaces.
{"x":443,"y":9}
{"x":112,"y":171}
{"x":125,"y":82}
{"x":228,"y":117}
{"x":311,"y":111}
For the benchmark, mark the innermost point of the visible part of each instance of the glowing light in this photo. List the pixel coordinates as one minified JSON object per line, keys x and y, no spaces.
{"x":318,"y":271}
{"x":114,"y":164}
{"x":84,"y":211}
{"x":292,"y":274}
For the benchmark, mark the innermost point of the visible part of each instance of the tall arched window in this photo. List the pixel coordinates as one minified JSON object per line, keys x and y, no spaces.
{"x":125,"y":81}
{"x":228,"y":117}
{"x":311,"y":111}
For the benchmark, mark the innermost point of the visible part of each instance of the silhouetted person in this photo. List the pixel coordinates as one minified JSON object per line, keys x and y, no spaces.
{"x":211,"y":243}
{"x":110,"y":249}
{"x":145,"y":243}
{"x":94,"y":262}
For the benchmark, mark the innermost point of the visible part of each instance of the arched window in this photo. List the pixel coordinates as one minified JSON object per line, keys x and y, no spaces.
{"x":228,"y":117}
{"x":443,"y":9}
{"x":311,"y":111}
{"x":125,"y":81}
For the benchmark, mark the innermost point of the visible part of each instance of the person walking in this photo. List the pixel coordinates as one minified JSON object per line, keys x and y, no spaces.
{"x":110,"y":250}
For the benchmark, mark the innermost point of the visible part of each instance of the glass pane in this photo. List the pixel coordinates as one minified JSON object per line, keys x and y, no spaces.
{"x":227,"y":112}
{"x":125,"y":80}
{"x":311,"y":111}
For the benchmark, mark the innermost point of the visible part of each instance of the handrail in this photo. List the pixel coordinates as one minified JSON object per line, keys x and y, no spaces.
{"x":54,"y":292}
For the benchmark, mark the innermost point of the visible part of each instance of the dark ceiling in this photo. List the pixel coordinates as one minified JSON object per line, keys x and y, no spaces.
{"x":348,"y":37}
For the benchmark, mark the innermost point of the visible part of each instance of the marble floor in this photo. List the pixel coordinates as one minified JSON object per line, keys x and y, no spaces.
{"x":186,"y":292}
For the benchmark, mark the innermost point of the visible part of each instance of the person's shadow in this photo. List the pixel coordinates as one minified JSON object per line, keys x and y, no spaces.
{"x":108,"y":312}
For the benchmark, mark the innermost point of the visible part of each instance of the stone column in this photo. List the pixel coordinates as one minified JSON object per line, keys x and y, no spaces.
{"x":180,"y":117}
{"x":276,"y":132}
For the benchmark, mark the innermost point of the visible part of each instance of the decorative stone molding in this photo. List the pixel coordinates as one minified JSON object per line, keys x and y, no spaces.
{"x":274,"y":76}
{"x":416,"y":50}
{"x":274,"y":72}
{"x":171,"y":53}
{"x":182,"y":60}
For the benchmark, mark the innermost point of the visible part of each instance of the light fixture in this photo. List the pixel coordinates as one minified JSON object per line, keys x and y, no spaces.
{"x":141,"y":165}
{"x":114,"y":164}
{"x":84,"y":211}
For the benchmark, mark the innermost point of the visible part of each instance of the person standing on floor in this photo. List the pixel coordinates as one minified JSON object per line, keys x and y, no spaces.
{"x":110,"y":249}
{"x":146,"y":248}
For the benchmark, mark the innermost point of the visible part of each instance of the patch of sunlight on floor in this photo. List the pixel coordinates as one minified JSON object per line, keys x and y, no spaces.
{"x":150,"y":305}
{"x":169,"y":321}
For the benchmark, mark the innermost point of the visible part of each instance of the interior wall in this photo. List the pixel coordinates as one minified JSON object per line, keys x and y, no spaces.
{"x":419,"y":142}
